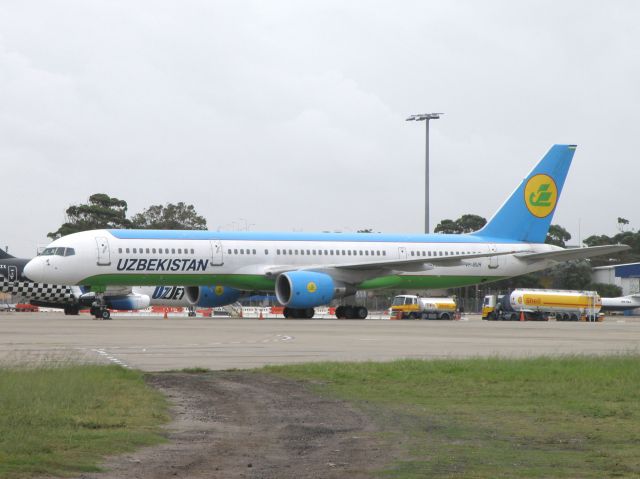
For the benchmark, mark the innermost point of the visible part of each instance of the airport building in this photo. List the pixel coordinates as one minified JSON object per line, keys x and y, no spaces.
{"x":626,"y":276}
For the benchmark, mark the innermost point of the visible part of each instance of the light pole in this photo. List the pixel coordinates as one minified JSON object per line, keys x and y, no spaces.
{"x":426,"y":117}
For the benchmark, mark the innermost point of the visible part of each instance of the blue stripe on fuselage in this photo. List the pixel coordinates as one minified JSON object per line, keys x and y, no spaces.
{"x":255,"y":236}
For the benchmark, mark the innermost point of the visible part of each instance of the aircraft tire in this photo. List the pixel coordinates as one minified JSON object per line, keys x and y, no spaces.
{"x":360,"y":313}
{"x":105,"y":314}
{"x":286,"y":312}
{"x":340,"y":312}
{"x":309,"y":312}
{"x":349,"y":313}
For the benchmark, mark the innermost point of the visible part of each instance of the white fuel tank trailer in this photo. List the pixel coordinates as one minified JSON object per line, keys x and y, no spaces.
{"x":539,"y":304}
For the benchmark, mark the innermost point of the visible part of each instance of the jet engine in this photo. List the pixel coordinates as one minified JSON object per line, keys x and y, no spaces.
{"x":211,"y":296}
{"x":304,"y":289}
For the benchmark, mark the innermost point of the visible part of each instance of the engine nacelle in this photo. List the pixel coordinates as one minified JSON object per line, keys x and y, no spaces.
{"x":211,"y":296}
{"x":124,"y":302}
{"x":304,"y":289}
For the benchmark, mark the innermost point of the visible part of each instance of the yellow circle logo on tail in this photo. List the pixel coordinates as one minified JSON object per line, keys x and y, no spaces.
{"x":219,"y":290}
{"x":540,"y":195}
{"x":311,"y":287}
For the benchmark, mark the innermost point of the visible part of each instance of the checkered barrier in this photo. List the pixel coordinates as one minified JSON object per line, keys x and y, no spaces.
{"x":37,"y":291}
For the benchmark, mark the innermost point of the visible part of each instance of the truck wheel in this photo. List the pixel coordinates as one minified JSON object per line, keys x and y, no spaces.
{"x":574,"y":317}
{"x":413,"y":316}
{"x":445,"y":316}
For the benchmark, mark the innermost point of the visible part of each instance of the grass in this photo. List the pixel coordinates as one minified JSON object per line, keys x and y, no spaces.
{"x":62,"y":420}
{"x":575,"y":417}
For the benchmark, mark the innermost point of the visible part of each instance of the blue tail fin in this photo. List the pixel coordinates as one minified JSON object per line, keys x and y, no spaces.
{"x":527,"y":214}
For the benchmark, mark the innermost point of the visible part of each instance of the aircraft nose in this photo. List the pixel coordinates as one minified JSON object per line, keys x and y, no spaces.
{"x":33,"y":270}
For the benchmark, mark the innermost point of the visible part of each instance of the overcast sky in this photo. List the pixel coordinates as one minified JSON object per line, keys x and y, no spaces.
{"x":291,"y":115}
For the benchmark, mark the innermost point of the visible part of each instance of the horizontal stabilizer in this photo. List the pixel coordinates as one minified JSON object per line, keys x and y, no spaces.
{"x":572,"y":254}
{"x":4,"y":254}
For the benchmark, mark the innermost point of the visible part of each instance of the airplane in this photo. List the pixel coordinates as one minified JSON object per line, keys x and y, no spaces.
{"x":73,"y":298}
{"x":311,"y":269}
{"x":621,"y":303}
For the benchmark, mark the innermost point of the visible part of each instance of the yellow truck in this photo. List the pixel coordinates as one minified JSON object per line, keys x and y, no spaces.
{"x":540,"y":304}
{"x":410,"y":306}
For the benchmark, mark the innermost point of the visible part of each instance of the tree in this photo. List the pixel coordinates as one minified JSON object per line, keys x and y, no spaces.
{"x":465,"y":224}
{"x":622,"y":223}
{"x":571,"y":275}
{"x":101,"y":211}
{"x":557,"y":235}
{"x":170,"y":217}
{"x":447,"y":227}
{"x":470,"y":223}
{"x":606,"y":290}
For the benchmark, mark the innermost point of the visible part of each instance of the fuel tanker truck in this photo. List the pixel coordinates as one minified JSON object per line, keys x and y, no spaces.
{"x":415,"y":307}
{"x":540,"y":304}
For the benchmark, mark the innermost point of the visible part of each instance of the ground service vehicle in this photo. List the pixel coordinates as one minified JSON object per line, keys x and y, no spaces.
{"x":414,"y":307}
{"x":539,"y":304}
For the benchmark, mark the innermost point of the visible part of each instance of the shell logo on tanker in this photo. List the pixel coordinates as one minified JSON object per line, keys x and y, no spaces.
{"x":311,"y":287}
{"x":540,"y":195}
{"x":531,"y":301}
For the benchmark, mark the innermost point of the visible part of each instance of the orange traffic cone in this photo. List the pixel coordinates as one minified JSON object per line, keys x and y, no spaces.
{"x":260,"y":317}
{"x":521,"y":315}
{"x":166,"y":316}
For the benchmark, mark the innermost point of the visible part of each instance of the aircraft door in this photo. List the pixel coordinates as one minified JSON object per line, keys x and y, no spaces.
{"x":12,"y":273}
{"x":104,"y":254}
{"x":402,"y":252}
{"x":216,"y":253}
{"x":493,"y":260}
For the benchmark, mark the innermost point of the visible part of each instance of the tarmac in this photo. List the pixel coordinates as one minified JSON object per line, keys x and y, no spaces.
{"x":157,"y":344}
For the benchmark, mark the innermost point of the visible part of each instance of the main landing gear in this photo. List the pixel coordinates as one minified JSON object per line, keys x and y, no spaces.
{"x":72,"y":310}
{"x":351,"y":312}
{"x":99,"y":309}
{"x":342,"y":312}
{"x":306,"y":313}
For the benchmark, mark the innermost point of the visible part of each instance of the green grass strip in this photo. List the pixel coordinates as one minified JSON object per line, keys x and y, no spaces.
{"x":64,"y":420}
{"x":497,"y":418}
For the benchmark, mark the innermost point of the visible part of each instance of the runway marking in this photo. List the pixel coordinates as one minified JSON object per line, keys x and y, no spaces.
{"x":111,"y":358}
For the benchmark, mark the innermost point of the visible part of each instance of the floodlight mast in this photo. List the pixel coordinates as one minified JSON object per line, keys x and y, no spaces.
{"x":426,"y":117}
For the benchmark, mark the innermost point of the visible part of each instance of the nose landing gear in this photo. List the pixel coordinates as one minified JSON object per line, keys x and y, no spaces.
{"x":99,"y":309}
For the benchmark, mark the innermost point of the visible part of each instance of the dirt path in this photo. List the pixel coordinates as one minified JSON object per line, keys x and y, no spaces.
{"x":249,"y":425}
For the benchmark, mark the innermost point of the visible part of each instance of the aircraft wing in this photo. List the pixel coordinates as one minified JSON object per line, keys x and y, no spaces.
{"x":571,"y":254}
{"x":422,"y":263}
{"x":433,"y":261}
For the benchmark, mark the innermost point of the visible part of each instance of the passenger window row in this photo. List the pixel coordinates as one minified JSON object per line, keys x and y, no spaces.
{"x":439,"y":253}
{"x":157,"y":250}
{"x":330,"y":252}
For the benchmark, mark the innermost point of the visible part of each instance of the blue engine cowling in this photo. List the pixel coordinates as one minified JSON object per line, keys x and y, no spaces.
{"x":211,"y":296}
{"x":304,"y":289}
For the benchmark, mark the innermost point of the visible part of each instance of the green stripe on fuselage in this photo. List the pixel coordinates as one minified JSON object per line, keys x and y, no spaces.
{"x":250,"y":282}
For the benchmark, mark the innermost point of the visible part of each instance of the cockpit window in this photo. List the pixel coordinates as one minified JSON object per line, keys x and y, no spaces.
{"x":58,"y":252}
